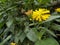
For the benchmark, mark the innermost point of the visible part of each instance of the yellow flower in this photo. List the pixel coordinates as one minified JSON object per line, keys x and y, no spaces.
{"x":12,"y":43}
{"x":57,"y":10}
{"x":40,"y":15}
{"x":46,"y":16}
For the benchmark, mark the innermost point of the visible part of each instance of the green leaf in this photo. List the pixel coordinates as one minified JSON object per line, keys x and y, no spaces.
{"x":3,"y":1}
{"x":1,"y":24}
{"x":9,"y":23}
{"x":31,"y":36}
{"x":40,"y":34}
{"x":17,"y":36}
{"x":47,"y":24}
{"x":48,"y":41}
{"x":55,"y":27}
{"x":49,"y":31}
{"x":2,"y":43}
{"x":22,"y":37}
{"x":43,"y":1}
{"x":58,"y":20}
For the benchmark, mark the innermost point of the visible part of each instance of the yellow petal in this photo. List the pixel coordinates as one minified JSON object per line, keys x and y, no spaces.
{"x":13,"y":43}
{"x":46,"y":16}
{"x":57,"y":10}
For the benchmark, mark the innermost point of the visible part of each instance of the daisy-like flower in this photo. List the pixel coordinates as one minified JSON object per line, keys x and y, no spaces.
{"x":57,"y":10}
{"x":12,"y":43}
{"x":40,"y":15}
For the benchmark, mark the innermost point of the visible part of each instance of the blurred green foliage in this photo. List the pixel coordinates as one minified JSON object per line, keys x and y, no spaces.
{"x":16,"y":27}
